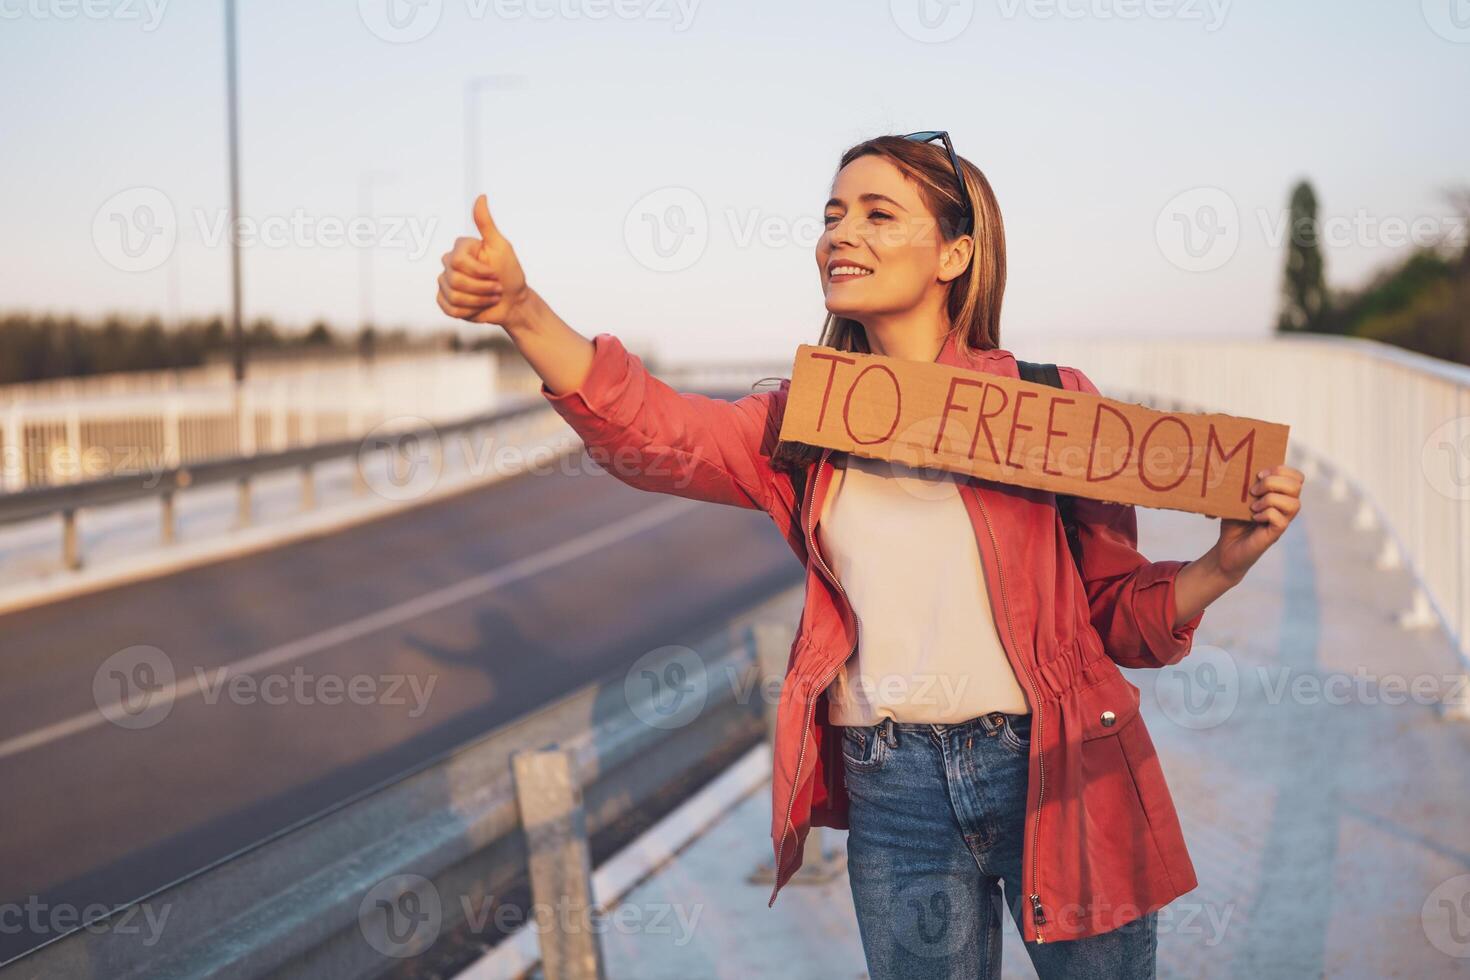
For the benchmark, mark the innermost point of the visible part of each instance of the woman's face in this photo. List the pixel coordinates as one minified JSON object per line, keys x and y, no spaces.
{"x":880,"y":252}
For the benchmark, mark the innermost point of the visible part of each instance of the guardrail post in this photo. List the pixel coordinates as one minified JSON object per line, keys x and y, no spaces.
{"x":308,"y":488}
{"x":359,"y":479}
{"x":555,"y":824}
{"x":459,"y":443}
{"x":71,"y":548}
{"x":166,"y":517}
{"x":242,"y":503}
{"x":400,"y":464}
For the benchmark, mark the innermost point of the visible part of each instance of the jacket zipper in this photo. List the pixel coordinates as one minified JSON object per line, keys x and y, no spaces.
{"x":811,"y":703}
{"x":1038,"y":917}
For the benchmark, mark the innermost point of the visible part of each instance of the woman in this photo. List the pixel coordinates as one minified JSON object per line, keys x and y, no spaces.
{"x":952,"y":697}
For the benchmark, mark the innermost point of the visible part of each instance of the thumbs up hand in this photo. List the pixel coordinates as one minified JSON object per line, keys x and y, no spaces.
{"x":482,"y":280}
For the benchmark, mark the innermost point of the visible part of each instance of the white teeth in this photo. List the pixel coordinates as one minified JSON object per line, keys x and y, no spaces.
{"x":851,"y":270}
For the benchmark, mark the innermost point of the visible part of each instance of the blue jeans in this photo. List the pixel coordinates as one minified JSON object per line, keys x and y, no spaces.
{"x":936,"y":826}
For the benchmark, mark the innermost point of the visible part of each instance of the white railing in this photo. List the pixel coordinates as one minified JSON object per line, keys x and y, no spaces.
{"x":64,"y":432}
{"x":1390,"y":425}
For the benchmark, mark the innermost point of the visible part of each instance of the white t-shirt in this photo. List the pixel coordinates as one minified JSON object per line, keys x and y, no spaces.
{"x":901,"y":542}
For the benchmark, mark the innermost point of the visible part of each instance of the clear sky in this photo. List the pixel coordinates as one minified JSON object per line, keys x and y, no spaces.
{"x":661,"y":165}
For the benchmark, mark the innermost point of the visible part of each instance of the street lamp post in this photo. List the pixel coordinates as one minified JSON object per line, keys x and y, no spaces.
{"x":472,"y":89}
{"x":232,"y":97}
{"x":366,"y":182}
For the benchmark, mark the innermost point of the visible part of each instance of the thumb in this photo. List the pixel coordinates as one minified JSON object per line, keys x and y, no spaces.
{"x":483,"y":221}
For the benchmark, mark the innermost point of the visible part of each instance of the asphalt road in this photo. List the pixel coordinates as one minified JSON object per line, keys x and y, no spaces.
{"x":359,"y":654}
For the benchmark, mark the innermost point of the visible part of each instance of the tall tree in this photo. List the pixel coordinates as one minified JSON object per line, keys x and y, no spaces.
{"x":1303,"y":291}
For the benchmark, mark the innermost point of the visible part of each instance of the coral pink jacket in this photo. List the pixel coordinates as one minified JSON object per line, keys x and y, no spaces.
{"x":1103,"y":844}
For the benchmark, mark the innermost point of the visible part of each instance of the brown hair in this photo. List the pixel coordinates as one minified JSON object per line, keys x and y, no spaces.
{"x":974,"y":296}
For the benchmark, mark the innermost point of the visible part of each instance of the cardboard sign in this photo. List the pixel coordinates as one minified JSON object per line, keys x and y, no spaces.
{"x":1000,"y":428}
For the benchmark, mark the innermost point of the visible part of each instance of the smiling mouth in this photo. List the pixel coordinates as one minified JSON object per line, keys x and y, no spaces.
{"x":848,"y":273}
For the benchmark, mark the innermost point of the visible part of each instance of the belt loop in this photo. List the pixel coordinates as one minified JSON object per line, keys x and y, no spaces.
{"x":889,"y":734}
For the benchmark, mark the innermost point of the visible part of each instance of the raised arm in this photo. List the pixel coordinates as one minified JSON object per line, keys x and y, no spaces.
{"x":483,"y":282}
{"x":637,"y":427}
{"x":1147,"y":611}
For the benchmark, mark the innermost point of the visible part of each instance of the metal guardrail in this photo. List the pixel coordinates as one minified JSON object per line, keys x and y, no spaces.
{"x":84,"y":428}
{"x":382,"y":877}
{"x":165,"y":483}
{"x":69,"y":498}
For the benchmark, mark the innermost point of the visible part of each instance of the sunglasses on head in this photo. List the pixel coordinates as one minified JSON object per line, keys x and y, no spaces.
{"x":928,"y":136}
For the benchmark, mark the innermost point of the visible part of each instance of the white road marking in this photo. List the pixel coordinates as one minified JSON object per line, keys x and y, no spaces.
{"x":521,"y":568}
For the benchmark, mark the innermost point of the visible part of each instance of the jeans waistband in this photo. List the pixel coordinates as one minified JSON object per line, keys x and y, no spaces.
{"x":888,"y":729}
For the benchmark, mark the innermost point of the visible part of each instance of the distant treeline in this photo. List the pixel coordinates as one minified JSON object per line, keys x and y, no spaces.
{"x":37,"y":348}
{"x":1420,"y":303}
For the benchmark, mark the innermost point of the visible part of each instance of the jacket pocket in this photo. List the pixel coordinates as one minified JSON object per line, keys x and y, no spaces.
{"x":1115,"y":823}
{"x":1107,"y":707}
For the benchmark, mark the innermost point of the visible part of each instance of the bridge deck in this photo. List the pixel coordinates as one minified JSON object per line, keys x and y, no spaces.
{"x":1325,"y":804}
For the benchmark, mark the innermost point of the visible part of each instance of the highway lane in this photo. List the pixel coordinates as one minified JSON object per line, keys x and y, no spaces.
{"x":366,"y":652}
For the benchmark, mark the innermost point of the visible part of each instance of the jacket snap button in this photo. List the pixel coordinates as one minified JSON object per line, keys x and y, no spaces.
{"x":1108,"y":718}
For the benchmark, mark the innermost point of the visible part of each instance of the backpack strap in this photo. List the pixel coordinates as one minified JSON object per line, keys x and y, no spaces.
{"x":1047,"y":374}
{"x":1039,"y":373}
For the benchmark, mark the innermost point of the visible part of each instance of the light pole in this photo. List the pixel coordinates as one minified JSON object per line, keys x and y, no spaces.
{"x":366,"y":181}
{"x":232,"y":97}
{"x":472,"y":89}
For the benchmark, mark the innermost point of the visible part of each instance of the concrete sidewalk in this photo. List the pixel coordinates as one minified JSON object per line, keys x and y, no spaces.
{"x":1324,"y":795}
{"x":715,"y":923}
